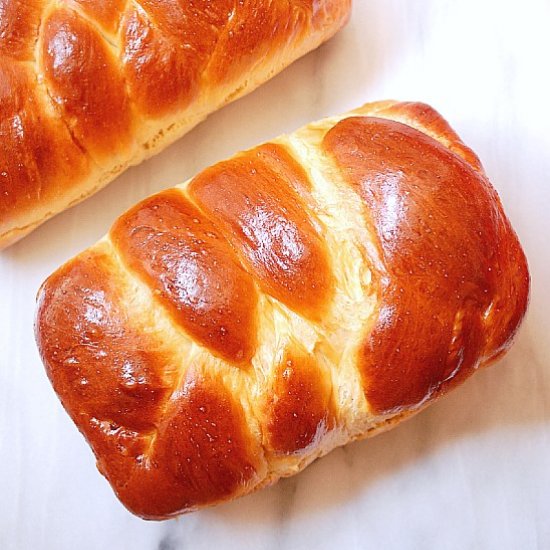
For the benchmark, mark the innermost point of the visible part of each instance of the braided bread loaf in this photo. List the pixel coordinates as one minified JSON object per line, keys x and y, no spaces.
{"x":90,"y":87}
{"x":312,"y":291}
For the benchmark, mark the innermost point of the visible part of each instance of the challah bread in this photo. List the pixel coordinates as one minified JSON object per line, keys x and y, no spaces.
{"x":90,"y":87}
{"x":309,"y":292}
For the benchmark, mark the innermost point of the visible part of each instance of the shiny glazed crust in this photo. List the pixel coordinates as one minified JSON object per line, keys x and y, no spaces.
{"x":90,"y":87}
{"x":311,"y":291}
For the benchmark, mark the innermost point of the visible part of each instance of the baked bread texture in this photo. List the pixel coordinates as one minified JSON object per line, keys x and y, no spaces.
{"x":314,"y":290}
{"x":91,"y":87}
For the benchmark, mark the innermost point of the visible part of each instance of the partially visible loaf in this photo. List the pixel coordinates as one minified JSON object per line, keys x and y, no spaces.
{"x":311,"y":291}
{"x":90,"y":87}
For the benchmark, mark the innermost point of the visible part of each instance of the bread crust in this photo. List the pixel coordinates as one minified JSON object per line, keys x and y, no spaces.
{"x":314,"y":290}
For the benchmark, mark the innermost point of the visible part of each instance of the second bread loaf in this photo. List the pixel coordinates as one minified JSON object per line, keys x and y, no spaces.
{"x":90,"y":87}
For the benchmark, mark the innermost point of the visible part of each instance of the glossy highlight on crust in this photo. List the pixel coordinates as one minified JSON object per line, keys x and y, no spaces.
{"x":98,"y":356}
{"x":303,"y":294}
{"x":98,"y":114}
{"x":256,"y":201}
{"x":33,"y":149}
{"x":300,"y":408}
{"x":203,"y":453}
{"x":172,"y":246}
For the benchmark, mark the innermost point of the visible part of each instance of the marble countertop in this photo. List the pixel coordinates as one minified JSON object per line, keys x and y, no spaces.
{"x":472,"y":471}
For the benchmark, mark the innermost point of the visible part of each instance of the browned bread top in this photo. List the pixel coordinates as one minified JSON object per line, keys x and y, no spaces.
{"x":308,"y":292}
{"x":89,"y":87}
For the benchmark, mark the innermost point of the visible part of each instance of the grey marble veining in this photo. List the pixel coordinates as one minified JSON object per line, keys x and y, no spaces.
{"x":472,"y":471}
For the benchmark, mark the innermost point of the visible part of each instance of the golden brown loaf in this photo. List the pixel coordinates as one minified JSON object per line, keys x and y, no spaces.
{"x":90,"y":87}
{"x":311,"y":291}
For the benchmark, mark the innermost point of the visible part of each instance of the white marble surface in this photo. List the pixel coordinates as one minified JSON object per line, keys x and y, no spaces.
{"x":471,"y":472}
